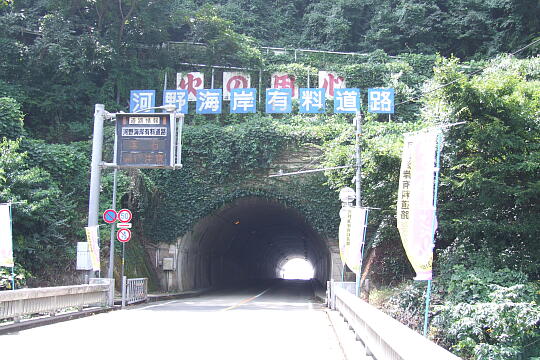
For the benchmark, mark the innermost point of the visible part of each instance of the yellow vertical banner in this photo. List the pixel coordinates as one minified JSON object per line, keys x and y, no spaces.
{"x":6,"y":241}
{"x":415,"y":210}
{"x":92,"y":236}
{"x":351,"y":236}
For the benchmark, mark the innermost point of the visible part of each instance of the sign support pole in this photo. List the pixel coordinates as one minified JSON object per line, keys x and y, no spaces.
{"x":435,"y":195}
{"x":123,"y":257}
{"x":124,"y":282}
{"x":110,"y":273}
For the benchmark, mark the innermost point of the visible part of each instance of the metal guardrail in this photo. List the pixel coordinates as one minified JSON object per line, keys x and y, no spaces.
{"x":383,"y":337}
{"x":136,"y":290}
{"x":349,"y":286}
{"x":17,"y":303}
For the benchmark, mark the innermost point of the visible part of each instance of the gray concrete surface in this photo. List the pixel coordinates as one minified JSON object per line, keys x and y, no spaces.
{"x":273,"y":320}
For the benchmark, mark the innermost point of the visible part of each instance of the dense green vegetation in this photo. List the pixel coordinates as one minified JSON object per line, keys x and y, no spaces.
{"x":58,"y":58}
{"x":486,"y":290}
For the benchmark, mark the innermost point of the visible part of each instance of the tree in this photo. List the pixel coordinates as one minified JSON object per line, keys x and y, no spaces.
{"x":11,"y":119}
{"x":490,"y":184}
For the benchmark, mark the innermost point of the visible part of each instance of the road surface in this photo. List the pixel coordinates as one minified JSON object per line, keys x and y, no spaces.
{"x":278,"y":320}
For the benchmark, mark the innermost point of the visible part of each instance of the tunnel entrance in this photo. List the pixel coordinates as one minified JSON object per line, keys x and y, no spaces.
{"x":248,"y":240}
{"x":296,"y":269}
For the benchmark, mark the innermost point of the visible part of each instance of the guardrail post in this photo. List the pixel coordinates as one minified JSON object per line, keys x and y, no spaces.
{"x":124,"y":284}
{"x":328,"y":295}
{"x":333,"y":295}
{"x":146,"y":290}
{"x":111,"y":293}
{"x":18,"y":312}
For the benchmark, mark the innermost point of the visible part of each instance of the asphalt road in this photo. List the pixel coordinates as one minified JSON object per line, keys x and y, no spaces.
{"x":276,"y":320}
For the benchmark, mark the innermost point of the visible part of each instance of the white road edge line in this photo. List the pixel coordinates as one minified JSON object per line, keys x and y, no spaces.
{"x":156,"y":305}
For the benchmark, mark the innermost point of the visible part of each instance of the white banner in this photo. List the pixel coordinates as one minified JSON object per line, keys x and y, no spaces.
{"x":285,"y":81}
{"x":416,"y":220}
{"x":6,"y":243}
{"x":191,"y":82}
{"x":330,"y":81}
{"x":92,"y":236}
{"x":235,"y":80}
{"x":351,"y":236}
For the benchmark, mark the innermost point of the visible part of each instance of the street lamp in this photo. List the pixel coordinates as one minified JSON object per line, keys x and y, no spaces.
{"x":347,"y":196}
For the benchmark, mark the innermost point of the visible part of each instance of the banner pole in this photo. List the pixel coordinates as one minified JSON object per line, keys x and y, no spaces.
{"x":362,"y":246}
{"x":11,"y":230}
{"x":435,"y":195}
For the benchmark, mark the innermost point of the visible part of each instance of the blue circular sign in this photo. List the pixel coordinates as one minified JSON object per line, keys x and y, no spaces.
{"x":110,"y":216}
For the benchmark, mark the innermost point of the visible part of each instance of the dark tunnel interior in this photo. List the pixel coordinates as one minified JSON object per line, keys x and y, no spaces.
{"x":247,"y":240}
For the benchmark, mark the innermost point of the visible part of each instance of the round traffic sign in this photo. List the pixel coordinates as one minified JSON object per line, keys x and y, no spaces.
{"x":123,"y":235}
{"x":124,"y":215}
{"x":110,"y":216}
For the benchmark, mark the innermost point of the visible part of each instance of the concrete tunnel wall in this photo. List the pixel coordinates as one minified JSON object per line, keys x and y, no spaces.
{"x":248,"y":239}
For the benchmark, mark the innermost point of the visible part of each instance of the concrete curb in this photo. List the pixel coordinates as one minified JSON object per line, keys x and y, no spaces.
{"x":13,"y":329}
{"x":171,"y":296}
{"x":182,"y":295}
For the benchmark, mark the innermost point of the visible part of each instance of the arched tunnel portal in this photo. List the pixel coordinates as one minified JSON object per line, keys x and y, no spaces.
{"x":244,"y":241}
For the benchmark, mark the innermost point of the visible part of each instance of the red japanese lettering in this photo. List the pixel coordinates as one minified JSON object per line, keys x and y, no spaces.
{"x":191,"y":83}
{"x":285,"y":82}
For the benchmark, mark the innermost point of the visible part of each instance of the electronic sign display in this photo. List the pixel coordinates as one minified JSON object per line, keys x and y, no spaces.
{"x":145,"y":140}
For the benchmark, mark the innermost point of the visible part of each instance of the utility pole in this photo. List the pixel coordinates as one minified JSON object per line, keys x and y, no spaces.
{"x":358,"y":177}
{"x":95,"y":169}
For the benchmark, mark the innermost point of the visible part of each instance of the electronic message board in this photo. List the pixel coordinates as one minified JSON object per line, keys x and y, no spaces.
{"x":145,"y":140}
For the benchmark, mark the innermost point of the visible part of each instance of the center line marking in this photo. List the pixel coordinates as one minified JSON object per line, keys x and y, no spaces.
{"x":245,"y":301}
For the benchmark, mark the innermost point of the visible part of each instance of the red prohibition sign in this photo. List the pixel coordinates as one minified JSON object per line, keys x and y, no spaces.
{"x":124,"y":215}
{"x":110,"y":216}
{"x":123,"y":235}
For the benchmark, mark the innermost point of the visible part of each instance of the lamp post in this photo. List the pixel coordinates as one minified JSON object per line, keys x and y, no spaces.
{"x":348,"y":195}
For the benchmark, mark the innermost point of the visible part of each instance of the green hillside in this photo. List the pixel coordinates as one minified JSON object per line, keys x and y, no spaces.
{"x":449,"y":61}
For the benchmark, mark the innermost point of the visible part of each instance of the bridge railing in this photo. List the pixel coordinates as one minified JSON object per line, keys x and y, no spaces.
{"x":383,"y":337}
{"x":136,"y":290}
{"x":17,"y":303}
{"x":349,"y":286}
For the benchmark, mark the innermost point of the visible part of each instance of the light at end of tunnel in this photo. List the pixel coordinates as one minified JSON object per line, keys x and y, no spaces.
{"x":297,"y":269}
